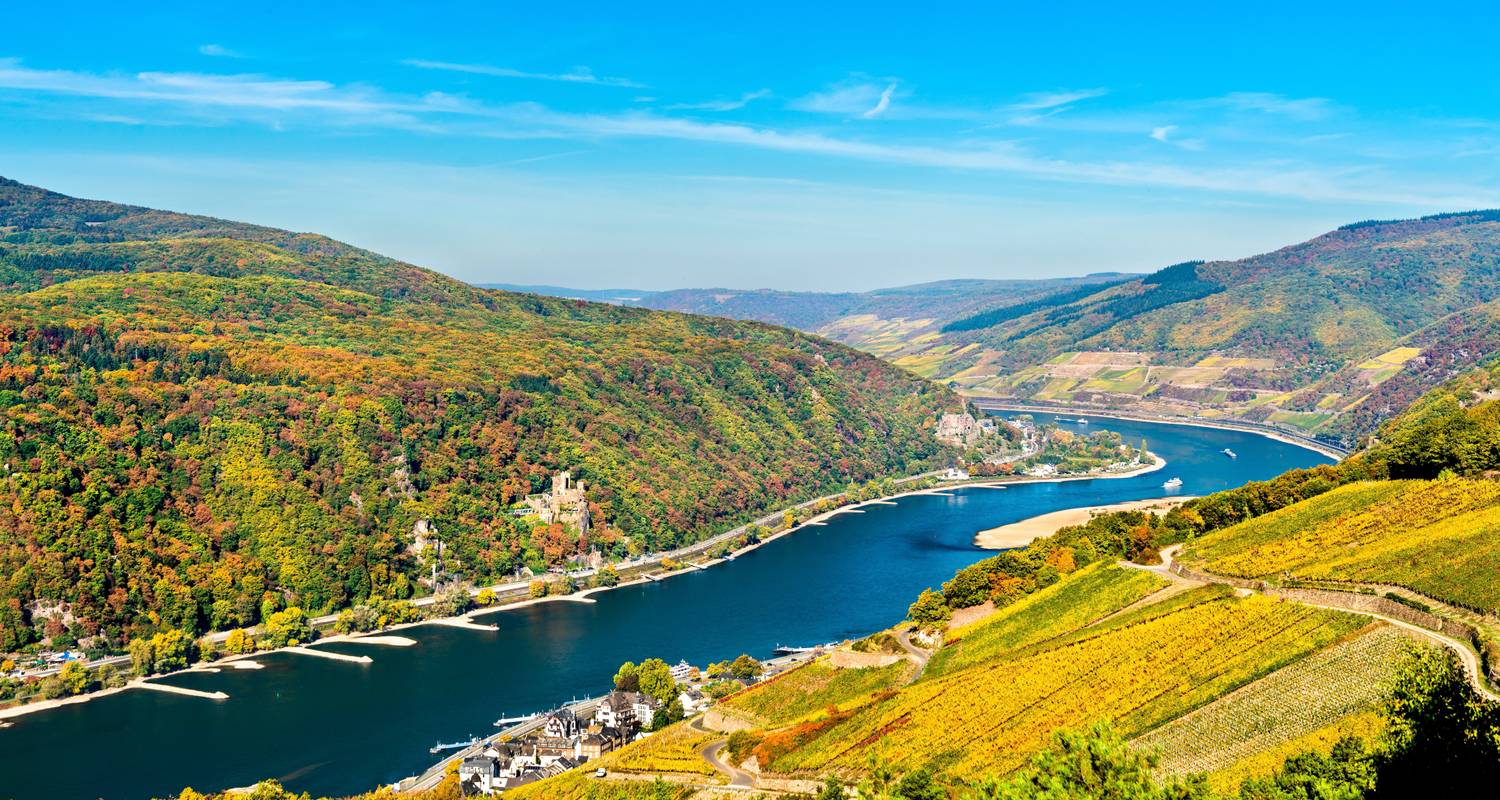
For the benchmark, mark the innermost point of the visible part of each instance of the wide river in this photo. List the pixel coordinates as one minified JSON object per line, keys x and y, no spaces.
{"x":331,"y":727}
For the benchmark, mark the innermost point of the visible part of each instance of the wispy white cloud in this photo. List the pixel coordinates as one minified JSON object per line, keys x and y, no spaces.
{"x":218,"y":51}
{"x":278,"y":101}
{"x":855,"y":98}
{"x":1042,"y":101}
{"x":576,"y":75}
{"x":882,"y":104}
{"x":723,"y":105}
{"x":1305,"y":108}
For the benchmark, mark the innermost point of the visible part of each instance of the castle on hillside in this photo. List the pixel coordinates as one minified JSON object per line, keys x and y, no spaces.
{"x":566,"y":503}
{"x":963,"y":430}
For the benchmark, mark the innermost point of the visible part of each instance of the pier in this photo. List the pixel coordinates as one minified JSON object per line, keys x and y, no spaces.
{"x":170,"y":689}
{"x":308,"y":651}
{"x":246,"y":663}
{"x":389,"y":641}
{"x":466,"y":623}
{"x":882,"y":503}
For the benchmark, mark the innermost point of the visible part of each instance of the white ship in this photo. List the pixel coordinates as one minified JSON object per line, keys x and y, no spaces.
{"x":1172,"y":484}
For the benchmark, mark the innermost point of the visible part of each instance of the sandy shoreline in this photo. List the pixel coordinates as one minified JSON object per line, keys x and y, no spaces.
{"x":1223,"y":425}
{"x":1020,"y":534}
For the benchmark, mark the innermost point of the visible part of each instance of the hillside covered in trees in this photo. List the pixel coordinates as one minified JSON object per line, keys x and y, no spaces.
{"x":207,"y":421}
{"x":1326,"y":338}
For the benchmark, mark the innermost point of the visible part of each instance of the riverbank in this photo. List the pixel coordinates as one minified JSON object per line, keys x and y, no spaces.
{"x":1306,"y":443}
{"x":516,"y":594}
{"x":1020,"y":534}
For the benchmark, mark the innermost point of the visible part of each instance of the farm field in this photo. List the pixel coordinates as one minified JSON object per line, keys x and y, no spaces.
{"x":673,"y":750}
{"x":1366,"y":725}
{"x":813,"y":688}
{"x":1142,"y":669}
{"x":1303,"y":698}
{"x":1090,"y":594}
{"x":1435,"y":537}
{"x":579,"y":784}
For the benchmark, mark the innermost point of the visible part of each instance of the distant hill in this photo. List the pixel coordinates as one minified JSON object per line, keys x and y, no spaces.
{"x":625,"y":297}
{"x":1326,"y":338}
{"x":205,"y":421}
{"x":862,"y":319}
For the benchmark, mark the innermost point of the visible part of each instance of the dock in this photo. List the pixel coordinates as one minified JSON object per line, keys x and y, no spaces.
{"x":465,"y":623}
{"x":882,"y":503}
{"x":328,"y":654}
{"x":246,"y":663}
{"x":185,"y":692}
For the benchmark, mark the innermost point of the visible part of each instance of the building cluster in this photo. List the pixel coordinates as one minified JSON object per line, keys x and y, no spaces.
{"x":568,"y":739}
{"x":567,"y":503}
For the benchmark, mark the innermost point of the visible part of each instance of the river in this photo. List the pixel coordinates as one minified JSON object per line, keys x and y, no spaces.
{"x":330,"y":727}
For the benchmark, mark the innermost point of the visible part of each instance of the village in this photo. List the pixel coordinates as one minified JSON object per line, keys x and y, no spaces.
{"x":548,"y":744}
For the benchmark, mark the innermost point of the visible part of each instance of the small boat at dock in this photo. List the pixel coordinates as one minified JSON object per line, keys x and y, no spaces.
{"x":441,"y":746}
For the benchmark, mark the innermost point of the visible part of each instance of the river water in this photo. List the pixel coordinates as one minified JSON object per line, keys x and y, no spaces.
{"x":331,"y":727}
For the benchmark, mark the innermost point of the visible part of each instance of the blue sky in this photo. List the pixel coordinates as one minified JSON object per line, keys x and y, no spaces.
{"x":803,"y":146}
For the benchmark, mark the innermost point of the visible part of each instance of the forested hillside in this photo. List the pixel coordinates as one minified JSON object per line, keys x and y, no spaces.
{"x":1325,"y":338}
{"x":207,"y":421}
{"x":1328,"y":337}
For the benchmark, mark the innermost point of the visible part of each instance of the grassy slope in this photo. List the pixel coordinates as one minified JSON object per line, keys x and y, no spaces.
{"x":203,"y":417}
{"x":1441,"y":538}
{"x":812,"y":689}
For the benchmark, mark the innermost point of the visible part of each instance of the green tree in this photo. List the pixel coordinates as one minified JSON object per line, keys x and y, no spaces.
{"x":628,"y":677}
{"x":607,"y":576}
{"x":239,"y":642}
{"x":1092,"y":764}
{"x":283,"y":628}
{"x":1441,"y":736}
{"x":656,"y":679}
{"x":833,"y":789}
{"x":1346,"y":773}
{"x":173,"y":650}
{"x":745,"y":667}
{"x":142,"y":656}
{"x":452,"y":602}
{"x":75,"y":678}
{"x":930,"y":610}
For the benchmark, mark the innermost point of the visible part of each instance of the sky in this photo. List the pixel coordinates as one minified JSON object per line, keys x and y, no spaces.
{"x":810,"y":146}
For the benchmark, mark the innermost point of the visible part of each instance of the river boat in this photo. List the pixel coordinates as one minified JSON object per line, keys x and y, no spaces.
{"x":1230,"y":453}
{"x":1174,"y":483}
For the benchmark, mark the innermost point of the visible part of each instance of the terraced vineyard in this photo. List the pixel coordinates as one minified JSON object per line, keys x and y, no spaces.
{"x":813,"y":688}
{"x":1435,"y":537}
{"x":672,"y":751}
{"x":1140,"y":670}
{"x":1088,"y":595}
{"x":581,"y":785}
{"x":1314,"y":694}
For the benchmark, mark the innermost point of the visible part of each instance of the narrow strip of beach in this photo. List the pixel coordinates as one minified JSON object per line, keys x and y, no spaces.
{"x":1020,"y":534}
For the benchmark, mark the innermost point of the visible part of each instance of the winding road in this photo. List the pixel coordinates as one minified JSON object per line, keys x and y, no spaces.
{"x":738,"y":778}
{"x":1467,"y":657}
